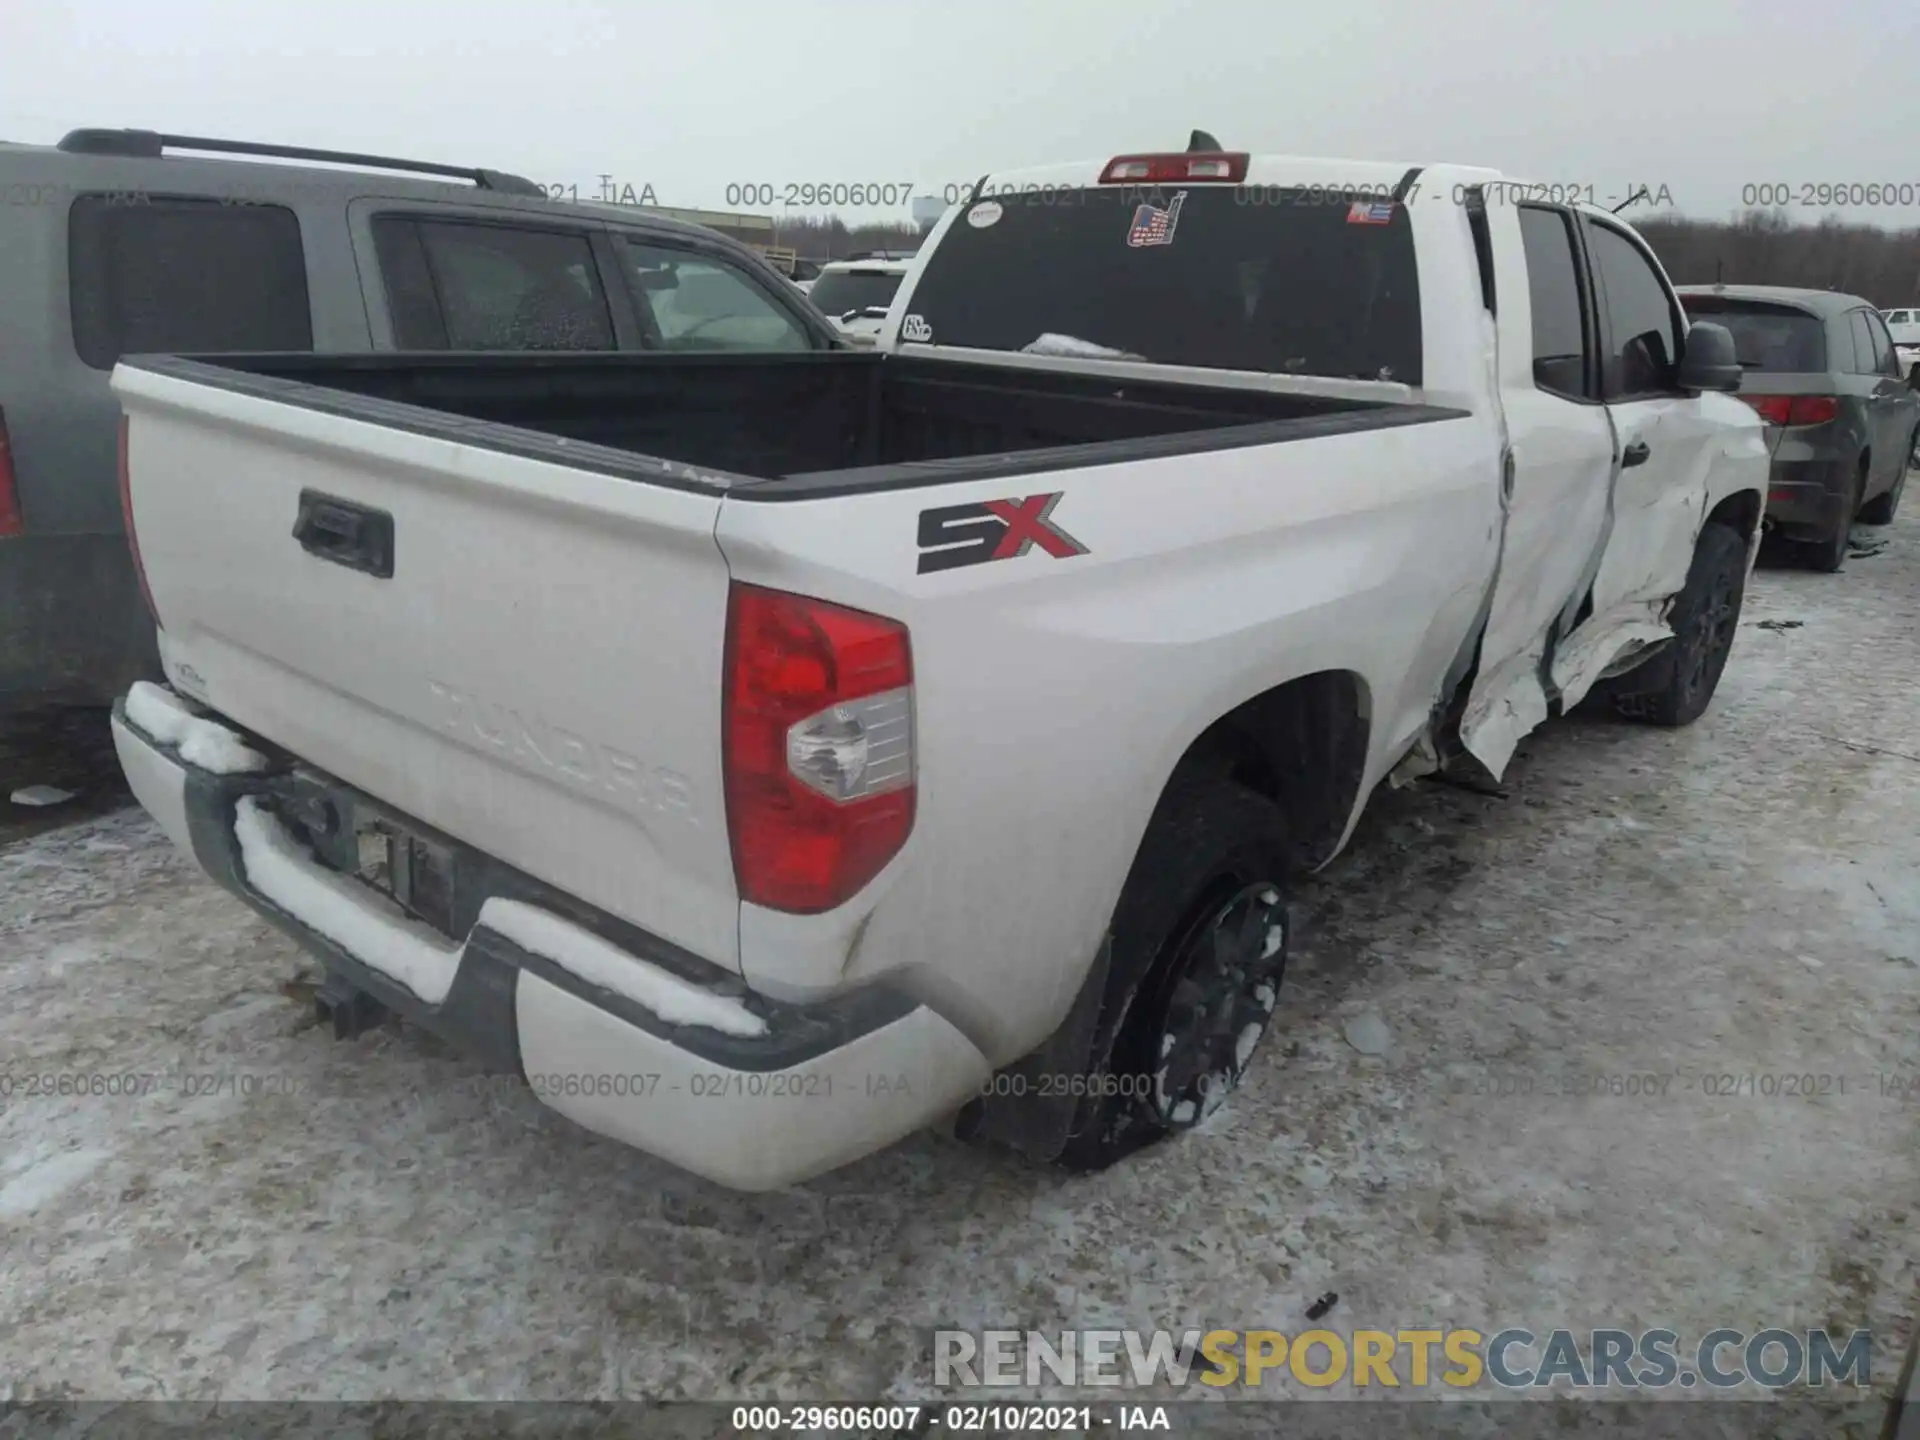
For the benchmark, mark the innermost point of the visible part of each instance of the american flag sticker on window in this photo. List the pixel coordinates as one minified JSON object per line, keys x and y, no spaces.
{"x":1153,"y":225}
{"x":1379,"y":212}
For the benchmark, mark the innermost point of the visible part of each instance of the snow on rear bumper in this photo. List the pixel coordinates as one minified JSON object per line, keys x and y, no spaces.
{"x":741,"y":1090}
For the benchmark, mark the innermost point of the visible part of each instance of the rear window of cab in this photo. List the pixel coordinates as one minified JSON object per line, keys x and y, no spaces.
{"x":1237,"y":278}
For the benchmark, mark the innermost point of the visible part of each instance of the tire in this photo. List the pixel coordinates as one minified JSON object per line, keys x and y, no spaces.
{"x":1827,"y":556}
{"x":1879,"y":510}
{"x":1705,"y":616}
{"x":1200,"y":938}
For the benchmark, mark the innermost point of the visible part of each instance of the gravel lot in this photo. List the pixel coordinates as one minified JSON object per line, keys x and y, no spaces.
{"x":372,"y":1221}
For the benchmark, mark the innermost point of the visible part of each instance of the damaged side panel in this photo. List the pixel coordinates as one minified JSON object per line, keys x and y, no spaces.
{"x":1556,"y":493}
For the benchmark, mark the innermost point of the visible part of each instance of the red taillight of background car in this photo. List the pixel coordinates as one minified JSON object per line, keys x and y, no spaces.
{"x":12,"y":522}
{"x":126,"y":514}
{"x":1794,"y":409}
{"x":818,"y":740}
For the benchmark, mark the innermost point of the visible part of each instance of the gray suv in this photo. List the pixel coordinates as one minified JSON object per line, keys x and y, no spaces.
{"x":1843,"y":422}
{"x":117,"y":244}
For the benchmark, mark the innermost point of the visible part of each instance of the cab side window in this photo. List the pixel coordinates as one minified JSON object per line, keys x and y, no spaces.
{"x":1643,"y":351}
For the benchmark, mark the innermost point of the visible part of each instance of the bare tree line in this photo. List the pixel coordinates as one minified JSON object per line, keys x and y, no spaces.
{"x":827,"y":237}
{"x":1767,"y":248}
{"x":1757,"y":248}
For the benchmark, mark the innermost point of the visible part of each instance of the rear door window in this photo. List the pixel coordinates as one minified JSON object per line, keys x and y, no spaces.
{"x":184,"y":276}
{"x":1559,"y":313}
{"x":1866,"y":356}
{"x":1884,"y":359}
{"x":689,"y":301}
{"x":1768,"y":339}
{"x":458,"y":285}
{"x":1260,"y":279}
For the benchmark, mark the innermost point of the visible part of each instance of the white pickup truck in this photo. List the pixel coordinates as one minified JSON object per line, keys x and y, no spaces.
{"x":768,"y":755}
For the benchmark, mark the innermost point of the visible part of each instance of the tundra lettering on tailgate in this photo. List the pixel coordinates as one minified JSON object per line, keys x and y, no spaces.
{"x":537,"y":746}
{"x":992,"y":530}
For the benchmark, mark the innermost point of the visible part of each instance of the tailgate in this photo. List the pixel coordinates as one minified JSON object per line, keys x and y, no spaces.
{"x":522,"y":654}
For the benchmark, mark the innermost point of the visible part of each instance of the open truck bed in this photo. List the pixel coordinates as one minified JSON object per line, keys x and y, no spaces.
{"x":516,"y":611}
{"x":786,"y":427}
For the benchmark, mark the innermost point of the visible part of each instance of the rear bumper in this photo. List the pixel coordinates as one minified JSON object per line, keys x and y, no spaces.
{"x":819,"y":1086}
{"x":73,"y":628}
{"x":1805,"y":496}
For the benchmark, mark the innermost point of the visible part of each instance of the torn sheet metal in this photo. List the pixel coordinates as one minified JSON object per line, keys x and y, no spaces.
{"x":1506,"y":706}
{"x":1592,"y":652}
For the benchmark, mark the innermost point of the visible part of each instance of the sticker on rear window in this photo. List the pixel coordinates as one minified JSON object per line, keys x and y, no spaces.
{"x":1153,"y":225}
{"x":916,"y":328}
{"x":1378,"y":212}
{"x":987,"y":212}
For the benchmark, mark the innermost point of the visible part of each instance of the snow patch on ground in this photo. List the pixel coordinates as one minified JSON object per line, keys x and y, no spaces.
{"x":43,"y":1178}
{"x":211,"y":746}
{"x":39,"y":795}
{"x":581,"y":953}
{"x":355,"y":917}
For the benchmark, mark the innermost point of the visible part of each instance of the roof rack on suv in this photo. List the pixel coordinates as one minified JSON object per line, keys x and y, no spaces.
{"x":881,"y":255}
{"x":150,"y":144}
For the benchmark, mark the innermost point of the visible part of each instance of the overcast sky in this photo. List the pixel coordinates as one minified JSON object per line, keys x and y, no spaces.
{"x":1704,"y":97}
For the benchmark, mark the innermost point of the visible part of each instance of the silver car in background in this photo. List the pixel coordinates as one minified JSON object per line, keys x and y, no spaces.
{"x":1842,"y":420}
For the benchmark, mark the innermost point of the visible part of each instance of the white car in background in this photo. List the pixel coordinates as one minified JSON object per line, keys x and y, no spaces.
{"x":854,"y":294}
{"x":805,"y":272}
{"x":1905,"y":326}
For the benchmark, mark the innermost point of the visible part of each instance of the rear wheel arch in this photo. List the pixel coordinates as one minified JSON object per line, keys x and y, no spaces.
{"x":1880,"y":510}
{"x":1213,"y":870}
{"x":1301,"y":744}
{"x":1299,"y":749}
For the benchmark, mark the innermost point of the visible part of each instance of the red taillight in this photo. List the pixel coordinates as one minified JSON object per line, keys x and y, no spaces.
{"x":12,"y":522}
{"x":1794,"y":409}
{"x":126,"y":514}
{"x":818,"y":734}
{"x":1152,"y":169}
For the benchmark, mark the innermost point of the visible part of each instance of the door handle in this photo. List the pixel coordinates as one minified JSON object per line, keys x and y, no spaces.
{"x":345,"y":533}
{"x":1635,"y":454}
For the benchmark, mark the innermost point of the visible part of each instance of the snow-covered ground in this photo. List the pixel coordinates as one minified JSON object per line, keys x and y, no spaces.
{"x":281,"y":1215}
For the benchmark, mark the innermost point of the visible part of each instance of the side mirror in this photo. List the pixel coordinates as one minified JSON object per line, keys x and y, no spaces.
{"x":1707,"y":359}
{"x":1913,"y":376}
